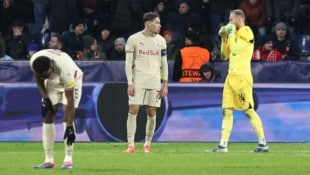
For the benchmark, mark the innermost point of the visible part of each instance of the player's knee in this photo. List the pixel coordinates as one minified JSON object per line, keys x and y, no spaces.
{"x":151,"y":111}
{"x":249,"y":112}
{"x":49,"y":119}
{"x":227,"y":112}
{"x":133,"y":109}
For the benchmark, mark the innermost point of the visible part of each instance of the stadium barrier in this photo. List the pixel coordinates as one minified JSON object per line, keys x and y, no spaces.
{"x":191,"y":112}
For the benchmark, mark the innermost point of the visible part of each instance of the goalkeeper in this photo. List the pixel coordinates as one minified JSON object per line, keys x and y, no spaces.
{"x":237,"y":46}
{"x":59,"y":81}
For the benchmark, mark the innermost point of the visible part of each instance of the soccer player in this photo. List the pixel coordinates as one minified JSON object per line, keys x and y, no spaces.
{"x":237,"y":46}
{"x":146,"y":59}
{"x":59,"y":81}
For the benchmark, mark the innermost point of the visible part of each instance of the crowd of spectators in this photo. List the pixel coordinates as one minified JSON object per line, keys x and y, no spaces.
{"x":98,"y":29}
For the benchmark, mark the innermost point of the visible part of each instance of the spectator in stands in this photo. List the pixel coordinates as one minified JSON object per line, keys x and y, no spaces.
{"x":32,"y":48}
{"x":219,"y":13}
{"x":5,"y":16}
{"x":172,"y":44}
{"x":304,"y":17}
{"x":205,"y":40}
{"x":23,"y":10}
{"x":190,"y":59}
{"x":106,"y":40}
{"x":61,"y":15}
{"x":17,"y":40}
{"x":178,"y":21}
{"x":284,"y":42}
{"x":255,"y":13}
{"x":202,"y":8}
{"x":208,"y":73}
{"x":126,"y":17}
{"x":93,"y":17}
{"x":170,"y":5}
{"x":158,"y":6}
{"x":73,"y":44}
{"x":56,"y":41}
{"x":283,"y":11}
{"x":118,"y":53}
{"x":3,"y":55}
{"x":266,"y":51}
{"x":40,"y":8}
{"x":92,"y":51}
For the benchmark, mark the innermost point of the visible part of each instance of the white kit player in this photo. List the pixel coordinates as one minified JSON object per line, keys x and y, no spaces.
{"x":59,"y":81}
{"x":146,"y":67}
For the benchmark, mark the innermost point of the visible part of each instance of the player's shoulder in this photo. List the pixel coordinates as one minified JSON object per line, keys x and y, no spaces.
{"x":246,"y":33}
{"x":160,"y":37}
{"x":135,"y":36}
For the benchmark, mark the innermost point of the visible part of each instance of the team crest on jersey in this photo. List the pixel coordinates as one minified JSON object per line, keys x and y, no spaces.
{"x":157,"y":45}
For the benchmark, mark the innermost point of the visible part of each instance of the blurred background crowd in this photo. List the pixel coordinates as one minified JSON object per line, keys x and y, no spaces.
{"x":98,"y":29}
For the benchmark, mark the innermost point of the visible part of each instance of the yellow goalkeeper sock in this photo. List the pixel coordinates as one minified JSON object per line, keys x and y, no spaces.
{"x":227,"y":125}
{"x":256,"y":124}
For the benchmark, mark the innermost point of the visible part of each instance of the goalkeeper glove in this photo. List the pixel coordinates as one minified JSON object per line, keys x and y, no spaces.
{"x":222,"y":32}
{"x":46,"y":106}
{"x":230,"y":29}
{"x":69,"y":135}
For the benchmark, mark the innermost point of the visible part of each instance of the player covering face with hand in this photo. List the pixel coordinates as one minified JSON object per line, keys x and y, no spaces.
{"x":237,"y":43}
{"x":59,"y":81}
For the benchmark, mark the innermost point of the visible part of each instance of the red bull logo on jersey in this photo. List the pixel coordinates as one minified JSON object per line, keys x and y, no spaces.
{"x":148,"y":52}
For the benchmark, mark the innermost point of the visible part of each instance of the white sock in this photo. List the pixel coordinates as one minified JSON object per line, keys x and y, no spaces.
{"x":131,"y":129}
{"x":262,"y":141}
{"x":68,"y":148}
{"x":223,"y":144}
{"x":48,"y":136}
{"x":149,"y":130}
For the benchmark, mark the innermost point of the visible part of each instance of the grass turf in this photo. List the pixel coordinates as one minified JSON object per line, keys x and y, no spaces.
{"x":167,"y":158}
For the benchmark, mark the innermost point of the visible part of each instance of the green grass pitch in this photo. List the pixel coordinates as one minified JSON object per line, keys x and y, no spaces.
{"x":18,"y":158}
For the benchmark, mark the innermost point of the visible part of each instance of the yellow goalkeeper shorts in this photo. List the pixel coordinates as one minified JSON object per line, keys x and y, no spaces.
{"x":238,"y":92}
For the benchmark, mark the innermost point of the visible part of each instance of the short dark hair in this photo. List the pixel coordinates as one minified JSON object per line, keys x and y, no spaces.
{"x":192,"y":35}
{"x":41,"y":64}
{"x":59,"y":37}
{"x":150,"y":16}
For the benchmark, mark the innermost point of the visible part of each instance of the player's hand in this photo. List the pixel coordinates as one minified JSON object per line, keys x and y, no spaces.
{"x":222,"y":32}
{"x":230,"y":29}
{"x":69,"y":135}
{"x":46,"y":106}
{"x":131,"y":90}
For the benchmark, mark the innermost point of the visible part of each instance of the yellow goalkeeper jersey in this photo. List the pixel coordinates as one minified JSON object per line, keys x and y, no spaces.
{"x":239,"y":50}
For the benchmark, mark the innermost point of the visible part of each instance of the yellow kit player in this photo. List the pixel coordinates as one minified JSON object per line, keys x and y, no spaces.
{"x":237,"y":46}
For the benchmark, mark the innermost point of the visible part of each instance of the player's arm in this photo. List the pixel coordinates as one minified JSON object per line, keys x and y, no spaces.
{"x":245,"y":37}
{"x":46,"y":105}
{"x":40,"y":84}
{"x":225,"y":49}
{"x":129,"y":65}
{"x":69,"y":108}
{"x":69,"y":113}
{"x":224,"y":43}
{"x":164,"y":69}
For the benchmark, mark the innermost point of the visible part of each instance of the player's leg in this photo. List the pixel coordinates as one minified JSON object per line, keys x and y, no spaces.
{"x":134,"y":106}
{"x":152,"y":101}
{"x":48,"y":136}
{"x":227,"y":112}
{"x":149,"y":128}
{"x":131,"y":127}
{"x":258,"y":128}
{"x":255,"y":120}
{"x":68,"y":160}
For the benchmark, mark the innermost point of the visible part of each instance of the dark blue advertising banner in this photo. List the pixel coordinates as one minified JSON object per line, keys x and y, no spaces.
{"x":190,"y":113}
